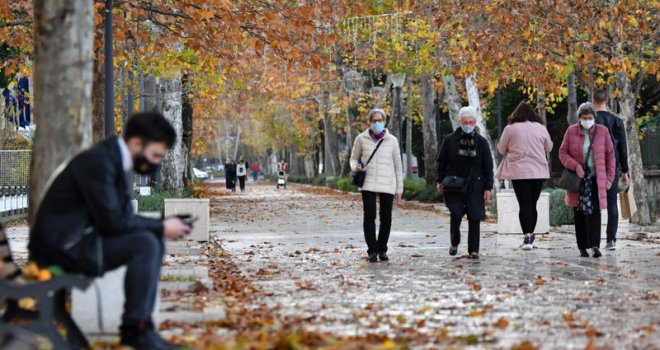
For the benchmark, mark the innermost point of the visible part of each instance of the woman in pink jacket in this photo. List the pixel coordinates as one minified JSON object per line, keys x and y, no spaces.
{"x":524,"y":144}
{"x":597,"y":173}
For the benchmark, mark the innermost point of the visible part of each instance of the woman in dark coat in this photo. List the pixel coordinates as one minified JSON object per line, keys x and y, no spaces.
{"x":466,"y":154}
{"x":230,"y":174}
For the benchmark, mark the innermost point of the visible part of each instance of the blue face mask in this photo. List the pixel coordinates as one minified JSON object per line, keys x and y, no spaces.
{"x":468,"y":129}
{"x":378,"y":127}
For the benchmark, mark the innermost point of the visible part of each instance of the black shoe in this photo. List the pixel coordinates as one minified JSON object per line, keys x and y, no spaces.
{"x":453,"y":251}
{"x":143,"y":336}
{"x":383,"y":257}
{"x":583,"y":253}
{"x":597,"y":253}
{"x":473,"y":255}
{"x":373,"y":257}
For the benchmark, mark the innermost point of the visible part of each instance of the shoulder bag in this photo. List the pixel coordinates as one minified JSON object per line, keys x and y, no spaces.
{"x":359,"y":176}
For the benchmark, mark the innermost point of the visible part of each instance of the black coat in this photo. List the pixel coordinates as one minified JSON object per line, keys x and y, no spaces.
{"x":90,"y":198}
{"x":479,"y":168}
{"x":618,"y":134}
{"x":230,"y":175}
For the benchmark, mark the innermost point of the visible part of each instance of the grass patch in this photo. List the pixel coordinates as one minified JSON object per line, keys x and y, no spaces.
{"x":170,"y":278}
{"x":156,"y":201}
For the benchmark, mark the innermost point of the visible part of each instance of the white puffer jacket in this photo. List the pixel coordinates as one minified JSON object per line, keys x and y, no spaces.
{"x":385,"y":171}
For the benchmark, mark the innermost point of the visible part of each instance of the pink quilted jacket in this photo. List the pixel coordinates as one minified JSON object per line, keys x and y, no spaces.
{"x":571,"y":154}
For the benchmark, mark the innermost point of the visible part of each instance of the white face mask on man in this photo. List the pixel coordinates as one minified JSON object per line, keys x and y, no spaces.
{"x":587,"y":123}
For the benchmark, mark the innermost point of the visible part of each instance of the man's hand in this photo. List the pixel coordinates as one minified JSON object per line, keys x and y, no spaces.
{"x":440,"y":189}
{"x":609,"y":185}
{"x":487,"y":196}
{"x":579,"y":171}
{"x":174,"y":228}
{"x":397,"y":198}
{"x":625,"y":179}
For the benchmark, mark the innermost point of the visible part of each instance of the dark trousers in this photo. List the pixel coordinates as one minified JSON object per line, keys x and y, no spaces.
{"x":473,"y":232}
{"x":241,"y":181}
{"x":142,"y":253}
{"x":377,"y":245}
{"x":613,"y":210}
{"x":528,"y":192}
{"x":587,"y":227}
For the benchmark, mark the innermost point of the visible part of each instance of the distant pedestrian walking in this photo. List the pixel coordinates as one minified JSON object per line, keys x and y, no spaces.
{"x":255,"y":170}
{"x":587,"y":150}
{"x":241,"y":172}
{"x":230,"y":175}
{"x":618,"y":135}
{"x":465,"y":176}
{"x":524,"y":144}
{"x":383,"y":180}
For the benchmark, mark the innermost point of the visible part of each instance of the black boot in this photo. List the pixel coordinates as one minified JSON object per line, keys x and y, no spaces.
{"x":143,"y":336}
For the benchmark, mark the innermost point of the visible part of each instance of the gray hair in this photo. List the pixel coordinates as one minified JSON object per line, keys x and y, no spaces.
{"x":586,"y":108}
{"x":467,"y":111}
{"x":374,"y":111}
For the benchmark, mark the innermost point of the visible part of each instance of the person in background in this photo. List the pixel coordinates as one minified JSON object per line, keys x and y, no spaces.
{"x":255,"y":171}
{"x":524,"y":144}
{"x":230,"y":174}
{"x":466,"y":154}
{"x":587,"y":150}
{"x":241,"y":172}
{"x":618,"y":134}
{"x":383,"y":180}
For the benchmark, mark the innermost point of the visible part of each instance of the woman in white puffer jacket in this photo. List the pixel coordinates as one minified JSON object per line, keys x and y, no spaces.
{"x":384,"y":179}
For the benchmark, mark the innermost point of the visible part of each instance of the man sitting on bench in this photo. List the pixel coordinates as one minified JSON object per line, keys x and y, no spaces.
{"x":86,"y":222}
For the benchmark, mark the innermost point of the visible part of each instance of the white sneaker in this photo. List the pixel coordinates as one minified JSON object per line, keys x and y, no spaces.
{"x":528,"y":243}
{"x":611,"y":245}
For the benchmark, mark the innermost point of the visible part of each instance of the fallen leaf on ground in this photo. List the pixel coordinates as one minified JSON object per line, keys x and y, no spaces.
{"x":502,"y":323}
{"x":526,"y":345}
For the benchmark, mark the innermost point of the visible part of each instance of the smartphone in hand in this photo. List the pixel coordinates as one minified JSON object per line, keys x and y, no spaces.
{"x":187,"y":219}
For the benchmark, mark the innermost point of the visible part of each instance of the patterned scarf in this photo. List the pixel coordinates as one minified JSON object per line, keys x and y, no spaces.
{"x":586,"y":204}
{"x":376,"y":137}
{"x":467,"y":145}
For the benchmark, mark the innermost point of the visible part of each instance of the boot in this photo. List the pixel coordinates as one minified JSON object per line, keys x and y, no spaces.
{"x":143,"y":336}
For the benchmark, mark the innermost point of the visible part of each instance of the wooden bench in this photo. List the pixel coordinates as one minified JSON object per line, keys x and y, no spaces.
{"x":50,"y":311}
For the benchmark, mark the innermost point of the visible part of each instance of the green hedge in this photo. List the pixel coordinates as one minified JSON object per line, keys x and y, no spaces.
{"x":560,"y":213}
{"x":156,"y":202}
{"x":345,"y":184}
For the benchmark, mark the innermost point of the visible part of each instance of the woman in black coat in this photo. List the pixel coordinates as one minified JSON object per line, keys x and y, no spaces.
{"x":230,"y":174}
{"x":465,"y":158}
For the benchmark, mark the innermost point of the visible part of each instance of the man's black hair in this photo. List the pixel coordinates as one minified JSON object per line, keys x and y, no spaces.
{"x":150,"y":127}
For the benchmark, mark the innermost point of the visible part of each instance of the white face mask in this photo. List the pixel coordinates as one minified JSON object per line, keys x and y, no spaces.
{"x":587,"y":124}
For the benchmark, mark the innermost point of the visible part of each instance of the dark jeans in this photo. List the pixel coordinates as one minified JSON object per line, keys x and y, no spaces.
{"x":473,"y":232}
{"x":142,"y":253}
{"x":377,"y":245}
{"x":613,"y":210}
{"x":241,"y":181}
{"x":587,"y":227}
{"x":528,"y":192}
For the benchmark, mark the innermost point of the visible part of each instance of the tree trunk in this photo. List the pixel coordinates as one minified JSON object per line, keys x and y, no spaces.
{"x":475,"y":101}
{"x":331,"y":158}
{"x":452,"y":99}
{"x":540,"y":104}
{"x":346,"y":164}
{"x":187,"y":127}
{"x":571,"y":117}
{"x":627,"y":101}
{"x":98,"y":98}
{"x":428,"y":129}
{"x":174,"y":162}
{"x":63,"y":75}
{"x":409,"y":127}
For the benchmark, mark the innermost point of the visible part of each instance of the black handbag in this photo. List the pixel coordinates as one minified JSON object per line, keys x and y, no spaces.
{"x":569,"y":180}
{"x":454,"y":184}
{"x":359,"y":176}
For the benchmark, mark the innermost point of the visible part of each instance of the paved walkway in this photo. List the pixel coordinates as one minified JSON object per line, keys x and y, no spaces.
{"x":299,"y":254}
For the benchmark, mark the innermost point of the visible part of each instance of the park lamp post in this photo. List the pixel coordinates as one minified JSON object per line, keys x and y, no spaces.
{"x":397,"y":80}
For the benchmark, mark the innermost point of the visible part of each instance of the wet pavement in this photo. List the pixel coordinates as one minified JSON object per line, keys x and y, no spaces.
{"x":303,"y":248}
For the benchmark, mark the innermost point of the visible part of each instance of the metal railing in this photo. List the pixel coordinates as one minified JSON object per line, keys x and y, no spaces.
{"x":14,"y":182}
